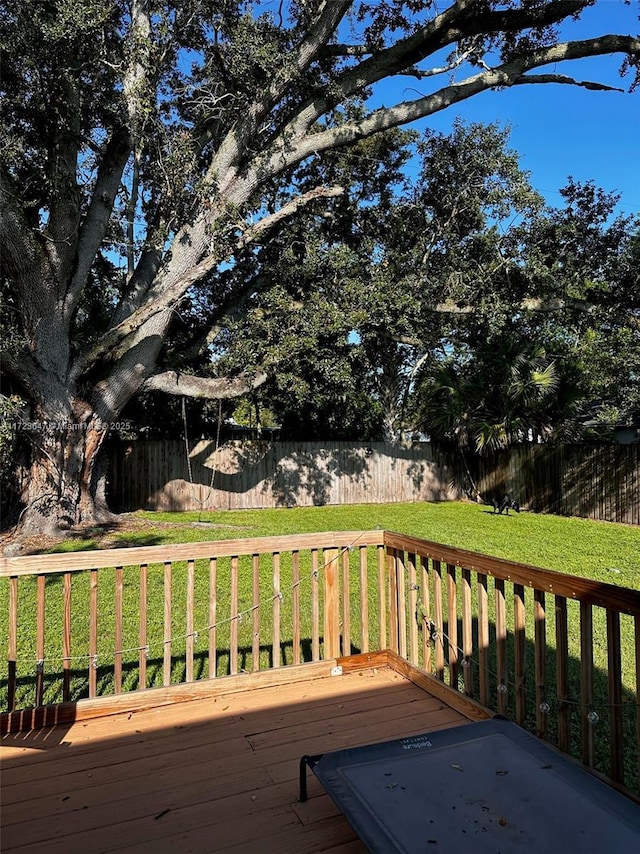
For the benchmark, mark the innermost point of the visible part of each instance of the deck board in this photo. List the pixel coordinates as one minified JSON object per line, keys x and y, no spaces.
{"x":216,"y":775}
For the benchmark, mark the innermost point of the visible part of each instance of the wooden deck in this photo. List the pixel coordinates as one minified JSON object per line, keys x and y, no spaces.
{"x":213,"y":774}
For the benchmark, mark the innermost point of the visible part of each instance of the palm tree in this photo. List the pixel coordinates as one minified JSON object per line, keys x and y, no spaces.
{"x":504,"y":394}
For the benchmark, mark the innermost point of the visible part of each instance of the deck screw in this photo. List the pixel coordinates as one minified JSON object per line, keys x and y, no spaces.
{"x":502,"y":688}
{"x":545,"y":708}
{"x":593,"y":717}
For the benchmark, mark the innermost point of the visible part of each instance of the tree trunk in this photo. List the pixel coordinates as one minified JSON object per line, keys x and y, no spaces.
{"x":65,"y":488}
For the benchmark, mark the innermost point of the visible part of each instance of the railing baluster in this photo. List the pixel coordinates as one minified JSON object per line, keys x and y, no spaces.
{"x":142,"y":629}
{"x":483,"y":638}
{"x":467,"y":632}
{"x":66,"y":639}
{"x":392,"y":599}
{"x":190,"y":639}
{"x":315,"y":607}
{"x":40,"y":639}
{"x":213,"y":608}
{"x":426,"y":615}
{"x":586,"y":680}
{"x":614,"y":660}
{"x":346,"y":603}
{"x":540,"y":644}
{"x":364,"y":599}
{"x":400,"y":586}
{"x":452,"y":602}
{"x":117,"y":655}
{"x":519,"y":617}
{"x":438,"y":618}
{"x":295,"y":578}
{"x":166,"y":664}
{"x":255,"y":613}
{"x":12,"y":652}
{"x":276,"y":609}
{"x":93,"y":632}
{"x":233,"y":631}
{"x":501,"y":648}
{"x":562,"y":672}
{"x":413,"y":609}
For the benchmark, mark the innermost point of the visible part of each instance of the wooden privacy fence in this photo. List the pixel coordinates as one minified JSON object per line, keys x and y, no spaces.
{"x":156,"y":475}
{"x":598,"y":482}
{"x":594,"y":481}
{"x":92,"y":632}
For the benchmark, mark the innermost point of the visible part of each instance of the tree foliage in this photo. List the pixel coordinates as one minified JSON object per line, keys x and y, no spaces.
{"x":455,"y":304}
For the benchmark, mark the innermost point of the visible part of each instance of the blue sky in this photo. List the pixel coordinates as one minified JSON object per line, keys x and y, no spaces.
{"x":562,"y":130}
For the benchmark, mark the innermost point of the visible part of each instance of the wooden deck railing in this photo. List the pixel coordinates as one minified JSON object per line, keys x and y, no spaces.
{"x":556,"y":653}
{"x":107,"y":622}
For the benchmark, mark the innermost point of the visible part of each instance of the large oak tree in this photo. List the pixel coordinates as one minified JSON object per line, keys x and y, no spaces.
{"x":169,"y":131}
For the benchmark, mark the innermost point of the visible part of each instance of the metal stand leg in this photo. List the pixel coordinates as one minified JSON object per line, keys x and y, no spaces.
{"x":304,"y":762}
{"x":303,"y":779}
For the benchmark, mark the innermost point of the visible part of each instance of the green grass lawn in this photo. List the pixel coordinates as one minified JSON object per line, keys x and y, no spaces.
{"x":603,"y":551}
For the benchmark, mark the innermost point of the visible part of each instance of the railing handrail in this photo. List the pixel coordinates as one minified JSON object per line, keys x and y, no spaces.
{"x":626,"y":600}
{"x":104,"y":558}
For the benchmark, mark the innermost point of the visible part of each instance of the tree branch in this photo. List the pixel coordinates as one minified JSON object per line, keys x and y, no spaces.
{"x":63,"y":224}
{"x":286,"y":212}
{"x":96,"y":221}
{"x":22,"y":367}
{"x":292,"y":148}
{"x":225,"y":162}
{"x":23,"y":255}
{"x":460,"y":21}
{"x":346,"y":50}
{"x":424,"y":74}
{"x":171,"y":382}
{"x":169,"y":294}
{"x":527,"y":304}
{"x":564,"y":79}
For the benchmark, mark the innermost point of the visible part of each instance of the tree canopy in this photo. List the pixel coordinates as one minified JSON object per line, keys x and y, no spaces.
{"x":148,"y":145}
{"x":456,"y":303}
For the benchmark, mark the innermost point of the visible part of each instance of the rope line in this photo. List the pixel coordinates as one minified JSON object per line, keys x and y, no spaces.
{"x":437,"y":634}
{"x":196,"y":632}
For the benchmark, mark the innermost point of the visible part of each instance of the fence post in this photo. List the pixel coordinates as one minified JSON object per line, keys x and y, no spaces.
{"x":331,"y":605}
{"x":392,"y":590}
